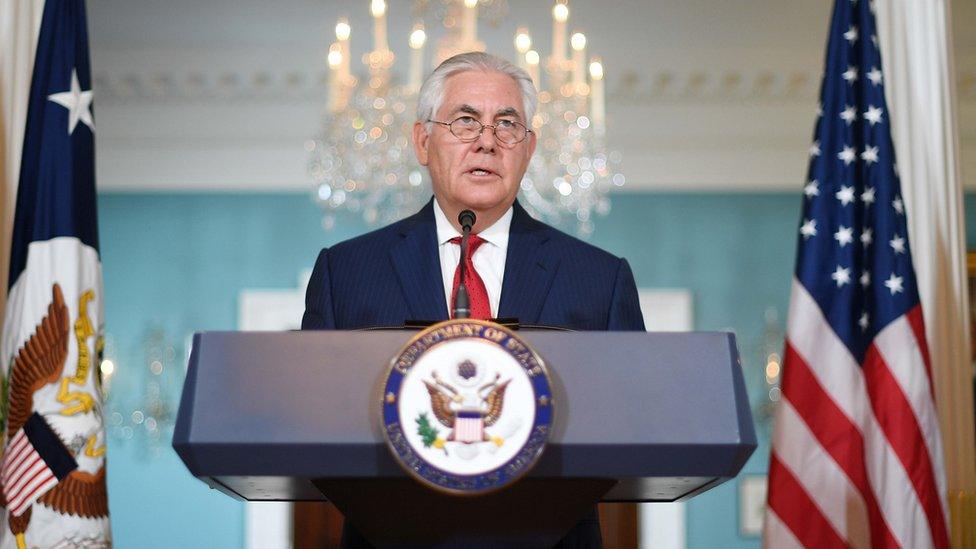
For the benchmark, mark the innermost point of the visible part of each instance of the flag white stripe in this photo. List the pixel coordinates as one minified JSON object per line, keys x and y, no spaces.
{"x":841,"y":376}
{"x":840,"y":502}
{"x":23,"y":482}
{"x":899,"y":349}
{"x":23,"y":462}
{"x":15,"y":456}
{"x":776,"y":535}
{"x":42,"y":484}
{"x":15,"y":453}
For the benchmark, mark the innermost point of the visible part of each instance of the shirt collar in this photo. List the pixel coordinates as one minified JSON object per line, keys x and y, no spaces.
{"x":497,"y":234}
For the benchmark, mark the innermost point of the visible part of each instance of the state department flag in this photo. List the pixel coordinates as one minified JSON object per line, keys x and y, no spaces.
{"x":53,"y":464}
{"x":856,"y":453}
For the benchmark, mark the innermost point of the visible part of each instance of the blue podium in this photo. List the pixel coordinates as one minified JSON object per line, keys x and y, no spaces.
{"x":292,"y":416}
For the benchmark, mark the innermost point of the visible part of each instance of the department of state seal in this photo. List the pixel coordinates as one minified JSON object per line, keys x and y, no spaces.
{"x":467,"y":406}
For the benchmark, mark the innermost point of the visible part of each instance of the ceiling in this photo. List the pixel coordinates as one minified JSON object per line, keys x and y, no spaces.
{"x":222,"y":94}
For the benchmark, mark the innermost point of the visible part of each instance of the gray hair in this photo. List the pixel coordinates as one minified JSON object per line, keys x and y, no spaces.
{"x":432,"y":92}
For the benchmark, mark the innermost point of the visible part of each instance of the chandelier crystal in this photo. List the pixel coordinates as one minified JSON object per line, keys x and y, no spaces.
{"x":362,"y":161}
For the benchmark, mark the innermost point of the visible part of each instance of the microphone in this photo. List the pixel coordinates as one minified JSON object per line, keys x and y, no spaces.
{"x":462,"y":305}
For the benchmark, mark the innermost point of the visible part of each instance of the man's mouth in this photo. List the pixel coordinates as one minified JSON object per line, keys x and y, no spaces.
{"x":481,"y":172}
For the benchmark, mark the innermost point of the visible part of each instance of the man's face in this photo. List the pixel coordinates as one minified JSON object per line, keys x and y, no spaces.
{"x":484,"y":174}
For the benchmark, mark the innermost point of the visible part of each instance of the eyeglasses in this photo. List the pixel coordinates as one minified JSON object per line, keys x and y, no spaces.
{"x":469,"y":128}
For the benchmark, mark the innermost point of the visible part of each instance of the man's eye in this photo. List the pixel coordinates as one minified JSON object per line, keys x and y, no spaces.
{"x":466,"y":120}
{"x":506,"y":124}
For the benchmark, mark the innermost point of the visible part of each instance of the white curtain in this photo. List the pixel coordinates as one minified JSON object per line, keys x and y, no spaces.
{"x":20,"y":23}
{"x":916,"y":49}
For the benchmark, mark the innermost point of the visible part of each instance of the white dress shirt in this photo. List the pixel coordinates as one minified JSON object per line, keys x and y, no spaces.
{"x":488,"y":259}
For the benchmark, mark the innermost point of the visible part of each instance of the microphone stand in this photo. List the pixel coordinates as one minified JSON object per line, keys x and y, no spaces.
{"x":462,"y":303}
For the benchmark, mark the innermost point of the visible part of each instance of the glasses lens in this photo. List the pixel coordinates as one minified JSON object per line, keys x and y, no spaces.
{"x":510,"y":133}
{"x":466,"y":128}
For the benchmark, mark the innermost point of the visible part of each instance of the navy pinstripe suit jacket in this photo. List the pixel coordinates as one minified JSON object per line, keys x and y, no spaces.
{"x":393,"y":274}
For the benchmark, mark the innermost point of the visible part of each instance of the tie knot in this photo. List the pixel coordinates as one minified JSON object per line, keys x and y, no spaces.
{"x":474,"y":242}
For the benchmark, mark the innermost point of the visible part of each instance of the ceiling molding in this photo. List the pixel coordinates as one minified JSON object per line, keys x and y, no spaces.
{"x":631,"y":88}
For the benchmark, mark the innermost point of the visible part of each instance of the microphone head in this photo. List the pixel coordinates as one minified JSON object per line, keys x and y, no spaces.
{"x":466,"y":218}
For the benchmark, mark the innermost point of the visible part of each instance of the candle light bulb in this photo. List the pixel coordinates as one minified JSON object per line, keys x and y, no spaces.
{"x":377,"y":8}
{"x":342,"y":29}
{"x":596,"y":69}
{"x":335,"y":56}
{"x":470,"y":3}
{"x":418,"y":37}
{"x":522,"y":40}
{"x":560,"y":12}
{"x":578,"y":41}
{"x":532,"y":57}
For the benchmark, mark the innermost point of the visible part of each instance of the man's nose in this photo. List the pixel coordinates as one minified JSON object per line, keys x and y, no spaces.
{"x":486,"y":141}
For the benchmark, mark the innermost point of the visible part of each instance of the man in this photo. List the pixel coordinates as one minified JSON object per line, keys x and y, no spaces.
{"x":473,"y":134}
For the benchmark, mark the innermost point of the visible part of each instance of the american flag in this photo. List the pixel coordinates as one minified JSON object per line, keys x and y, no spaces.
{"x":53,"y":321}
{"x":35,"y":461}
{"x":856,"y":455}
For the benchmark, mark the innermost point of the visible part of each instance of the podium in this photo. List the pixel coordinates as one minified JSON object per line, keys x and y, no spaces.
{"x":295,"y":416}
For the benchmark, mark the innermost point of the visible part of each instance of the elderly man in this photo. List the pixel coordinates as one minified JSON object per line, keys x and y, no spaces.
{"x":473,"y":133}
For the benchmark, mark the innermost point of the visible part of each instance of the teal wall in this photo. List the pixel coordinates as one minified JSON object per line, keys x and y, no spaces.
{"x":178,"y":262}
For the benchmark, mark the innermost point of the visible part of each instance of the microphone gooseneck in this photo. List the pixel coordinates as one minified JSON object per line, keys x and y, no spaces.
{"x":462,"y":305}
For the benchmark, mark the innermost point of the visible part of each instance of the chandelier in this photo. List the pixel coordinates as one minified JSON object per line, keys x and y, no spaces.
{"x":362,"y":159}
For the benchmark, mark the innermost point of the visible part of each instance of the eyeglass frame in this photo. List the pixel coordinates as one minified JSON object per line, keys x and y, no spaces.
{"x":494,"y":129}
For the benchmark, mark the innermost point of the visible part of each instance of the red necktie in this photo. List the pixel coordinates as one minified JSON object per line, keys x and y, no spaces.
{"x":477,"y":294}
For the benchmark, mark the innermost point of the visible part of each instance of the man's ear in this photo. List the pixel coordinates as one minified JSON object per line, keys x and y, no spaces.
{"x":420,"y":137}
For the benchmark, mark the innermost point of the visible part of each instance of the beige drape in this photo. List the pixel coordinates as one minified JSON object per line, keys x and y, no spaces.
{"x":916,"y":49}
{"x":20,"y":22}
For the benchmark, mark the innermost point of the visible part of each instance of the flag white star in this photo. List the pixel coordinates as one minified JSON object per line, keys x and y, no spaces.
{"x":874,"y":76}
{"x":898,"y":205}
{"x":894,"y":284}
{"x":812,"y":189}
{"x":898,"y":244}
{"x":841,"y":276}
{"x":867,"y":237}
{"x":77,"y":102}
{"x":863,"y":321}
{"x":850,"y":74}
{"x":819,"y":110}
{"x":847,"y":155}
{"x":814,"y":149}
{"x":851,"y":34}
{"x":809,"y":228}
{"x":845,"y":195}
{"x":844,"y":236}
{"x":868,"y":195}
{"x":865,"y":278}
{"x":870,"y":155}
{"x":849,"y":114}
{"x":873,"y":114}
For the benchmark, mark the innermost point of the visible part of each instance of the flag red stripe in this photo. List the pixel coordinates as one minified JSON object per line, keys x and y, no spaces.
{"x":37,"y":467}
{"x":916,"y":319}
{"x":23,"y":465}
{"x":799,"y":513}
{"x":841,"y":438}
{"x":17,"y":451}
{"x":897,"y":420}
{"x":43,"y":484}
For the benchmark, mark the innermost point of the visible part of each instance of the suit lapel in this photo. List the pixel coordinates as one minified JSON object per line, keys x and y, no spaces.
{"x":530,"y":266}
{"x":417,"y":264}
